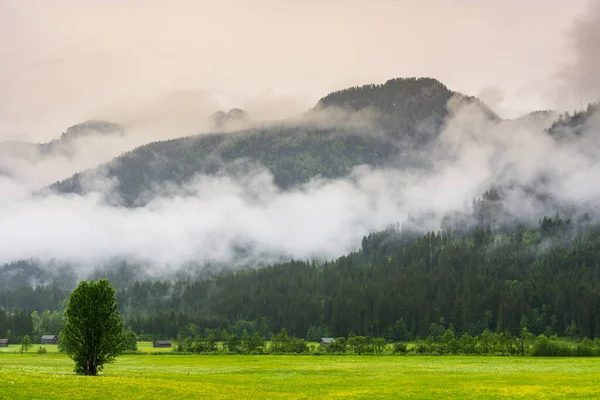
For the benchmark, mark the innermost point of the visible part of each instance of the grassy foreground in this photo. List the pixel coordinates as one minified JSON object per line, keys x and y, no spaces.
{"x":144,"y":347}
{"x":50,"y":376}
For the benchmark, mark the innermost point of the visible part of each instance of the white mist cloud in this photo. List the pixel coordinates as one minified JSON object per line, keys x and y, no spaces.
{"x":211,"y":217}
{"x":321,"y":219}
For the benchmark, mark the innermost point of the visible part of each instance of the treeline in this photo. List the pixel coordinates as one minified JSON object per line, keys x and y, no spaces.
{"x":575,"y":124}
{"x":399,"y":286}
{"x":246,"y":343}
{"x":547,"y":280}
{"x":489,"y":343}
{"x":15,"y":325}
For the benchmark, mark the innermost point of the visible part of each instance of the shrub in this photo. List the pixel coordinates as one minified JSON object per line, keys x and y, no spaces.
{"x":424,"y":347}
{"x":552,"y":347}
{"x":400,"y":348}
{"x":339,"y":346}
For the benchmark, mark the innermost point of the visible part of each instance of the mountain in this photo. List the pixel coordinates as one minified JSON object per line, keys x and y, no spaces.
{"x":294,"y":154}
{"x":413,"y":106}
{"x":371,"y":124}
{"x":93,"y":128}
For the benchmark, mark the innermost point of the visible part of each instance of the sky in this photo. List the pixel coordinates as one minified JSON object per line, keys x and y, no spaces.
{"x":171,"y":63}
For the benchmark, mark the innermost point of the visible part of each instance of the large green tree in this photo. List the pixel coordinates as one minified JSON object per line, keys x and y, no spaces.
{"x":93,"y":334}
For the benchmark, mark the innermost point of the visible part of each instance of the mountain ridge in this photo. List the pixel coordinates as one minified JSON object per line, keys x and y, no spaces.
{"x":295,"y":151}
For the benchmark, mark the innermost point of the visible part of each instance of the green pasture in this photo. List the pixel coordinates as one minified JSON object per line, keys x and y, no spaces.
{"x":144,"y":347}
{"x":16,"y":348}
{"x":50,"y":376}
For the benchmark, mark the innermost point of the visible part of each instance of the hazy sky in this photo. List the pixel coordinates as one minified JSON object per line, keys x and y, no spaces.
{"x":66,"y":61}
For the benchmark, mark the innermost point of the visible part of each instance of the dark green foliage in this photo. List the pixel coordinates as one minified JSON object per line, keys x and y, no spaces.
{"x":253,"y":344}
{"x":47,"y":323}
{"x":404,"y":105}
{"x":398,"y":331}
{"x":554,"y":347}
{"x":294,"y":155}
{"x":407,"y":288}
{"x":93,"y":334}
{"x":314,"y":334}
{"x":400,"y":348}
{"x":197,"y":344}
{"x":231,"y":342}
{"x":26,"y":344}
{"x":490,"y":343}
{"x":15,"y":325}
{"x":283,"y":343}
{"x":576,"y":124}
{"x":365,"y":345}
{"x":16,"y":291}
{"x":130,"y":340}
{"x":340,"y":346}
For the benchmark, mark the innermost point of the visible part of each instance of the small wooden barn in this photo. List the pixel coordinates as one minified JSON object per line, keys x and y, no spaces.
{"x":3,"y":342}
{"x":161,"y":343}
{"x":325,"y":341}
{"x":49,"y":339}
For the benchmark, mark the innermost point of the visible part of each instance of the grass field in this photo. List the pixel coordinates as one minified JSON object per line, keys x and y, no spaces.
{"x":144,"y":347}
{"x":50,"y":376}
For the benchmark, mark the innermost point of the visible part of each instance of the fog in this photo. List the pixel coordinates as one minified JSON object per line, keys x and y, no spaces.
{"x":162,"y":73}
{"x":579,"y":76}
{"x":209,"y":219}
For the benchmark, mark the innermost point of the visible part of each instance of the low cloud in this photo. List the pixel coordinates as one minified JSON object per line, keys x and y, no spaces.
{"x":243,"y":218}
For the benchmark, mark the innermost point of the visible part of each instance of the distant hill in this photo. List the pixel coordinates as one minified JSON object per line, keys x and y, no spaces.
{"x":407,"y":114}
{"x":410,"y":98}
{"x":62,"y":145}
{"x":410,"y":106}
{"x":92,"y":128}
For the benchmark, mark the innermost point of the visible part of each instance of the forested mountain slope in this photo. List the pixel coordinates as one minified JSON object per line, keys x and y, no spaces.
{"x":406,"y":107}
{"x":403,"y":116}
{"x":293,"y":155}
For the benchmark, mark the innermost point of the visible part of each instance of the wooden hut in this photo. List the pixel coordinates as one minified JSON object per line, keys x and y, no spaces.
{"x":49,"y":339}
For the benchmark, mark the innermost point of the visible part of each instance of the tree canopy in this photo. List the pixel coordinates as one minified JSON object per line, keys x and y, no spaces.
{"x":93,"y":334}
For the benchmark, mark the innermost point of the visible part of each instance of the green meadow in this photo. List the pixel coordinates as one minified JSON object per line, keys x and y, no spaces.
{"x":50,"y":376}
{"x":143,"y":347}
